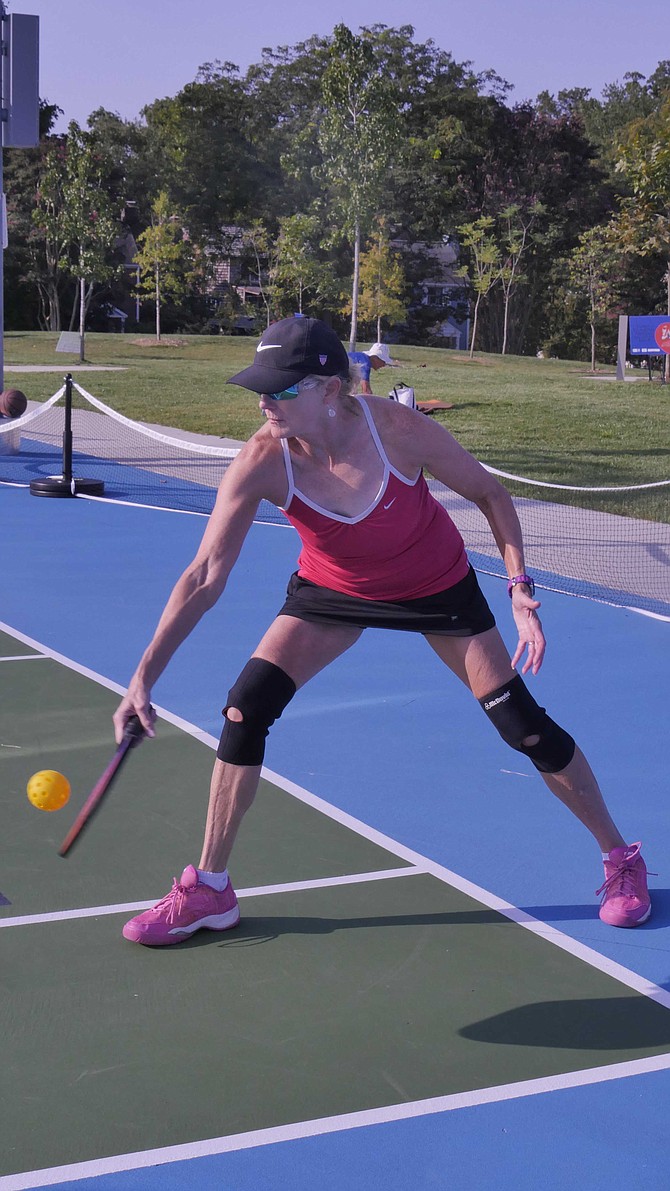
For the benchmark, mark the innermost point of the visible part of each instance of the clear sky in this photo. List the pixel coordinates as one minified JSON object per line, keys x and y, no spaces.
{"x":122,"y":54}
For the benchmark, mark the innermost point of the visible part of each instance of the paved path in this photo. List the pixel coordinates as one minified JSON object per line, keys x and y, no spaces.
{"x":63,"y":368}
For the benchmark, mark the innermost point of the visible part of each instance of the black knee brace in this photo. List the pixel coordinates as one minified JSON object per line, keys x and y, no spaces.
{"x":514,"y":712}
{"x":261,"y":693}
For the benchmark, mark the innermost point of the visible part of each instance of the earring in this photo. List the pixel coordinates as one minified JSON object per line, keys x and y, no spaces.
{"x":331,"y":412}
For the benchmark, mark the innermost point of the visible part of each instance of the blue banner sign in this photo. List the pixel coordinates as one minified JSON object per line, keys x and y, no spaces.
{"x":642,"y":334}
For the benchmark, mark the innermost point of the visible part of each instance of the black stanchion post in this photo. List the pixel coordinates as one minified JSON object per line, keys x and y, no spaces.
{"x":67,"y":484}
{"x":67,"y":432}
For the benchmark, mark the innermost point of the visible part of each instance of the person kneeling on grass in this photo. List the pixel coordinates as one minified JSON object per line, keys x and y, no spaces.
{"x":377,"y":551}
{"x":376,"y":357}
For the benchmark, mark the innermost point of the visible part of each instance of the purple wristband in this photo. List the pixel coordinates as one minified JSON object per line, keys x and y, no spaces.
{"x":521,"y":579}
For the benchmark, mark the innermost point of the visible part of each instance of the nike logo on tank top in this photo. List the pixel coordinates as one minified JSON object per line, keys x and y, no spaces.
{"x":402,"y":547}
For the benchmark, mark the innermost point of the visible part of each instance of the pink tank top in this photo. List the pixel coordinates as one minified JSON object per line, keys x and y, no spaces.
{"x":402,"y":547}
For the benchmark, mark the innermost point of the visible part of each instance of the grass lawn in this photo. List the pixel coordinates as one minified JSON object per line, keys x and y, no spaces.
{"x":545,"y":419}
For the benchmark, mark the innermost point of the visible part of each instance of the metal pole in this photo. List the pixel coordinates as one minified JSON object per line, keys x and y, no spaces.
{"x":67,"y":431}
{"x":66,"y":485}
{"x":3,"y":117}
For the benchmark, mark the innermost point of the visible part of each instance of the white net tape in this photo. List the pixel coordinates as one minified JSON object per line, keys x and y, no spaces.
{"x":9,"y":424}
{"x":506,"y":475}
{"x":180,"y":444}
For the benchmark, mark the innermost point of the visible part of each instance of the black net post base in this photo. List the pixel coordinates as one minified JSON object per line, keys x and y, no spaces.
{"x":60,"y":486}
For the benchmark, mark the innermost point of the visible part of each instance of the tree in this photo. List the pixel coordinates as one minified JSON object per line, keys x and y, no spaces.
{"x":297,"y":270}
{"x":26,"y":269}
{"x":486,"y":263}
{"x":164,"y":255}
{"x":199,"y":148}
{"x":516,"y":237}
{"x":592,"y":270}
{"x":645,"y":218}
{"x":49,"y":222}
{"x":90,"y":225}
{"x":357,"y":137}
{"x":534,"y":158}
{"x":382,"y":282}
{"x":257,"y":243}
{"x":605,"y":120}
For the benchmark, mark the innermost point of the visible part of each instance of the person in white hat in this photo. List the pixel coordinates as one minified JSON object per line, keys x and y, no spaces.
{"x":377,"y":356}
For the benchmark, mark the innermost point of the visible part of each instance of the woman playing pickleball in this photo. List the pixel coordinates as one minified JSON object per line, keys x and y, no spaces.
{"x":377,"y":551}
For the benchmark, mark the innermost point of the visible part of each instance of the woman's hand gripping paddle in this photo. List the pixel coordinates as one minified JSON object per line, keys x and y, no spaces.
{"x":133,"y":734}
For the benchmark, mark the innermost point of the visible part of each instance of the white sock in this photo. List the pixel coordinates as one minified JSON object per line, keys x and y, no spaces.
{"x":216,"y":880}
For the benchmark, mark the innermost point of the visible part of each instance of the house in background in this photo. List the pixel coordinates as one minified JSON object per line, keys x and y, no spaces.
{"x":226,"y":261}
{"x":439,"y":304}
{"x":228,"y":275}
{"x":442,"y":290}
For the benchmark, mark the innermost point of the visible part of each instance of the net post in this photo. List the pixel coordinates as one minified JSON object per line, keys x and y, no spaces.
{"x":67,"y":484}
{"x":67,"y":431}
{"x":621,"y":347}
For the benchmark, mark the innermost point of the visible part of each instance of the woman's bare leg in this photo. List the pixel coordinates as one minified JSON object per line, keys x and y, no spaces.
{"x":301,"y":649}
{"x":483,"y":664}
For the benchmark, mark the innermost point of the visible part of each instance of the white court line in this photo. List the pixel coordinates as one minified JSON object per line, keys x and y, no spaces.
{"x":382,"y":874}
{"x":138,"y":504}
{"x":651,"y":615}
{"x":335,"y":1124}
{"x":600,"y":962}
{"x":25,"y":657}
{"x":161,"y":1156}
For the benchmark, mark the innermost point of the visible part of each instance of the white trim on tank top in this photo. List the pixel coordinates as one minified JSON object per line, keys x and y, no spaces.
{"x":389,"y":469}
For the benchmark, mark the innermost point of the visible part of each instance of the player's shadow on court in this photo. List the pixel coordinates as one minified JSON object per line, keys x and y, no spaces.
{"x":602,"y":1023}
{"x":660,"y":912}
{"x":256,"y":929}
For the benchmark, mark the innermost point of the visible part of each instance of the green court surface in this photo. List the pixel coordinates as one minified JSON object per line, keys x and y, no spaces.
{"x":150,"y":825}
{"x":381,"y":992}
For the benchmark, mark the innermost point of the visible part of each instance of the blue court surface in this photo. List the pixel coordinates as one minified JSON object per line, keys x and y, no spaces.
{"x":387,"y":747}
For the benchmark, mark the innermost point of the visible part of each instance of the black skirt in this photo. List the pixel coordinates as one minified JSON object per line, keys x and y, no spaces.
{"x":459,"y":611}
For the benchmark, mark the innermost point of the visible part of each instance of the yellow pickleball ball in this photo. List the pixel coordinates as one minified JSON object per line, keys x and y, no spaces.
{"x":48,"y":790}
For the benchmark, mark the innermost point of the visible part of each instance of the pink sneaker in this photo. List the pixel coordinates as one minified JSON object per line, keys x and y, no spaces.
{"x":189,"y":906}
{"x":626,"y":900}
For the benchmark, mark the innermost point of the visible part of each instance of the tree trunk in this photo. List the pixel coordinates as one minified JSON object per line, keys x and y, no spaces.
{"x":507,"y":296}
{"x":89,"y":295}
{"x":82,"y":317}
{"x":158,"y":308}
{"x":379,"y":328}
{"x":75,"y":307}
{"x":54,"y":308}
{"x":49,"y":305}
{"x":354,"y":288}
{"x":474,"y":326}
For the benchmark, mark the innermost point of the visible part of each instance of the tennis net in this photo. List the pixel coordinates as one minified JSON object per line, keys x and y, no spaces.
{"x":605,"y":543}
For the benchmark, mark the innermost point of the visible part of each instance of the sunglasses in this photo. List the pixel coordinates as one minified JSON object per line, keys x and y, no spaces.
{"x":292,"y":391}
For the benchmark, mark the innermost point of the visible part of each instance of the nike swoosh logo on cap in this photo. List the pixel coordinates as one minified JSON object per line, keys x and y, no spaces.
{"x":267,"y":347}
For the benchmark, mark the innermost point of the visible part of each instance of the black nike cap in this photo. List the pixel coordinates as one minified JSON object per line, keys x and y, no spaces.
{"x":290,"y":350}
